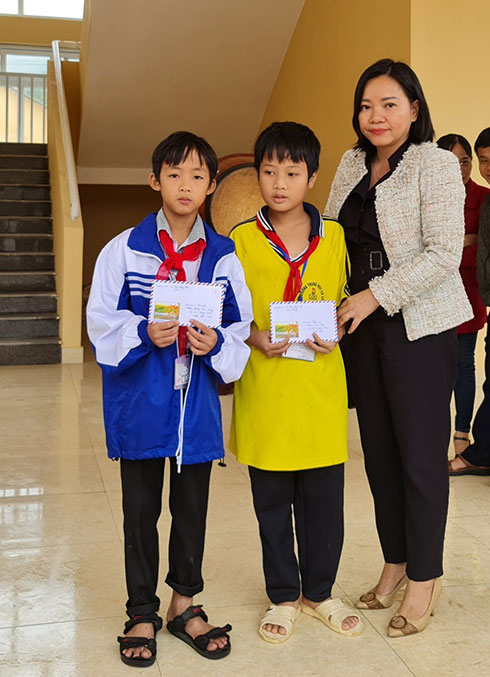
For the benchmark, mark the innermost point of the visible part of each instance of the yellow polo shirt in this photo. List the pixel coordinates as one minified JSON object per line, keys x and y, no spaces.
{"x":290,"y":414}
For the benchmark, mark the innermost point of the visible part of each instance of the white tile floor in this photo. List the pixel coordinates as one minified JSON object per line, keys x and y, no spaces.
{"x":62,"y":588}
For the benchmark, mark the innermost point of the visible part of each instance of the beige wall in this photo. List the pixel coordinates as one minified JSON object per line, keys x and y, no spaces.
{"x":107,"y":211}
{"x":20,"y":30}
{"x":71,"y":82}
{"x":68,"y":236}
{"x":332,"y":44}
{"x":450,"y":55}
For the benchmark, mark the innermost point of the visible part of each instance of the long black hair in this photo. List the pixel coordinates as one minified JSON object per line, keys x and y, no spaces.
{"x":448,"y":141}
{"x":421,"y":129}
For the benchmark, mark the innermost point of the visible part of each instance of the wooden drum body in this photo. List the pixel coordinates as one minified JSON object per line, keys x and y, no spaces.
{"x":237,"y":196}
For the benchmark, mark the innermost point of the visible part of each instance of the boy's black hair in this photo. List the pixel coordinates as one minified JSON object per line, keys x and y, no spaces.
{"x":421,"y":129}
{"x":448,"y":141}
{"x":288,"y":140}
{"x":483,"y":140}
{"x":176,"y":148}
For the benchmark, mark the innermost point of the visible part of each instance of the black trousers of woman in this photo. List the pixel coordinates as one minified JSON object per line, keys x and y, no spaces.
{"x":317,"y":497}
{"x":402,"y":391}
{"x":142,"y":483}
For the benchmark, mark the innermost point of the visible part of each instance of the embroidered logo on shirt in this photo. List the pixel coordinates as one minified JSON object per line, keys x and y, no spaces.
{"x":311,"y":291}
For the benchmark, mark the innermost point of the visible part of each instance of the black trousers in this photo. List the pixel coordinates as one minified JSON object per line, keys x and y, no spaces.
{"x":402,"y":391}
{"x":478,"y":453}
{"x":142,"y":483}
{"x":317,"y":498}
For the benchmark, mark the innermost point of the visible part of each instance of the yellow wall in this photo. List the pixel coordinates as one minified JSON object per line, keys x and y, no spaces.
{"x":107,"y":211}
{"x":68,"y":236}
{"x":450,"y":55}
{"x":20,"y":30}
{"x":71,"y":82}
{"x":332,"y":44}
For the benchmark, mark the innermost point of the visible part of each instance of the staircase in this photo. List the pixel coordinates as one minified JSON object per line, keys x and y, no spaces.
{"x":29,"y":324}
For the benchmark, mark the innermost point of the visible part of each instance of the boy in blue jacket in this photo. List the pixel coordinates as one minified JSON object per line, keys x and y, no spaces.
{"x":147,"y":418}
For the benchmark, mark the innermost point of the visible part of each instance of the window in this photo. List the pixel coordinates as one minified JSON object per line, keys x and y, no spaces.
{"x":60,"y":9}
{"x":31,"y":60}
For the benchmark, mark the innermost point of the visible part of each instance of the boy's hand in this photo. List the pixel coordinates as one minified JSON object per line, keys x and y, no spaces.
{"x":261,"y":340}
{"x":320,"y":346}
{"x":201,"y":342}
{"x":163,"y":334}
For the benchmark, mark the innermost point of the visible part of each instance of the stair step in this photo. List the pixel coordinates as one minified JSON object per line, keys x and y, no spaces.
{"x":26,"y":224}
{"x":27,"y":281}
{"x":25,"y":208}
{"x":28,"y":302}
{"x":26,"y":261}
{"x":7,"y":148}
{"x":26,"y":177}
{"x":23,"y":162}
{"x":30,"y":351}
{"x":29,"y":325}
{"x":24,"y":192}
{"x":26,"y":242}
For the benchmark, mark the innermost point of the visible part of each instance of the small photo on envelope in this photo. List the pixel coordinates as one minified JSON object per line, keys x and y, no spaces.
{"x":167,"y":312}
{"x":283,"y":331}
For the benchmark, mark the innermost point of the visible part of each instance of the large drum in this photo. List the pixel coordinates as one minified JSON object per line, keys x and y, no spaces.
{"x":237,"y":196}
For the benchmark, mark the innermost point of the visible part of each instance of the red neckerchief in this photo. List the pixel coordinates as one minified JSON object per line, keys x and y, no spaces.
{"x":293,"y":284}
{"x":175,"y":261}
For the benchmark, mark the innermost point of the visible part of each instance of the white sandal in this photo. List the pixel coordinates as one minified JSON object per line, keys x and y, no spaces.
{"x":278,"y":615}
{"x":333,"y":613}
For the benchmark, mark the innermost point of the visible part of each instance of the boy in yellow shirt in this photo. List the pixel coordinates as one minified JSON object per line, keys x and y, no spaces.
{"x":290,"y":415}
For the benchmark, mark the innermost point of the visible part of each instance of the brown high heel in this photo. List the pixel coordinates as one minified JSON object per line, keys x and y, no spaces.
{"x":400,"y":626}
{"x":373,"y":600}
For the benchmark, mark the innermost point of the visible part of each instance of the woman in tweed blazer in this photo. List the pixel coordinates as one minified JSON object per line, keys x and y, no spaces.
{"x":400,"y":200}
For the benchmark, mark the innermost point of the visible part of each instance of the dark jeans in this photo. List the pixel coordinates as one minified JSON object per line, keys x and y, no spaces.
{"x":464,"y":390}
{"x":142,"y":483}
{"x":317,"y":499}
{"x":402,"y":390}
{"x":478,"y":453}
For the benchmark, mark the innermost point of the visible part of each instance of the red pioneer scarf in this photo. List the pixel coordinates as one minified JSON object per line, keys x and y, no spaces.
{"x":293,"y":284}
{"x":175,"y":261}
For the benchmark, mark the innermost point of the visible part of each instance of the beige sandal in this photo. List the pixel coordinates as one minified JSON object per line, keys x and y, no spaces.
{"x":333,"y":613}
{"x":278,"y":615}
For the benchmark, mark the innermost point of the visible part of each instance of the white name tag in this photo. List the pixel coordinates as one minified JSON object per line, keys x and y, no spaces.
{"x":182,"y":371}
{"x":299,"y":351}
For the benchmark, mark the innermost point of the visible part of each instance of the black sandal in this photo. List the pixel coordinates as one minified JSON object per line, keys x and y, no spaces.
{"x":200,"y":643}
{"x":136,"y":642}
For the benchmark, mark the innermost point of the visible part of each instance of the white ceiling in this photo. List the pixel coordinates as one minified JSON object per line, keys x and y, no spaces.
{"x":155,"y":66}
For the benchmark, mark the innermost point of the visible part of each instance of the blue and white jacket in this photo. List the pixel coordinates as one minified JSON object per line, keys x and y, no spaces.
{"x":145,"y":417}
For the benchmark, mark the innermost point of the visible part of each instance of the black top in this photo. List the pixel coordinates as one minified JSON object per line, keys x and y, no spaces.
{"x":360,"y":223}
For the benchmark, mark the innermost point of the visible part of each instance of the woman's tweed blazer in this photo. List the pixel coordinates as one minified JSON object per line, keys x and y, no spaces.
{"x":420,"y":212}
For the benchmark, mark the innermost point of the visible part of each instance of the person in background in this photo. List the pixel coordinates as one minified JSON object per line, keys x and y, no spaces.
{"x":475,"y":459}
{"x":400,"y":200}
{"x":464,"y":390}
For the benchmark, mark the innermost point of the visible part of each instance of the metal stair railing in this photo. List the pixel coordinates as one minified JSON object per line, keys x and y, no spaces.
{"x":25,"y":96}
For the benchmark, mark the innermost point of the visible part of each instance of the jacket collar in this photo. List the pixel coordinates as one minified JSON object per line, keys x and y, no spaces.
{"x":144,"y":239}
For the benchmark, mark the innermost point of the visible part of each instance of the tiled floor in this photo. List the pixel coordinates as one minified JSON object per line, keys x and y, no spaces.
{"x":61,"y":563}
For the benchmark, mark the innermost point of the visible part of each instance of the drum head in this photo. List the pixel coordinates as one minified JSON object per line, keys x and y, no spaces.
{"x":236,"y":198}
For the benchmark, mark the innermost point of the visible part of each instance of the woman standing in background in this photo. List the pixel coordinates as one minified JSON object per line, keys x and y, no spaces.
{"x":464,"y":390}
{"x":400,"y":200}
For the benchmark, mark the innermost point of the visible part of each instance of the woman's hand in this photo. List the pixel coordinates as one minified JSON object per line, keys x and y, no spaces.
{"x":201,"y":342}
{"x":163,"y":334}
{"x":357,"y":308}
{"x":470,"y":239}
{"x":261,"y":340}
